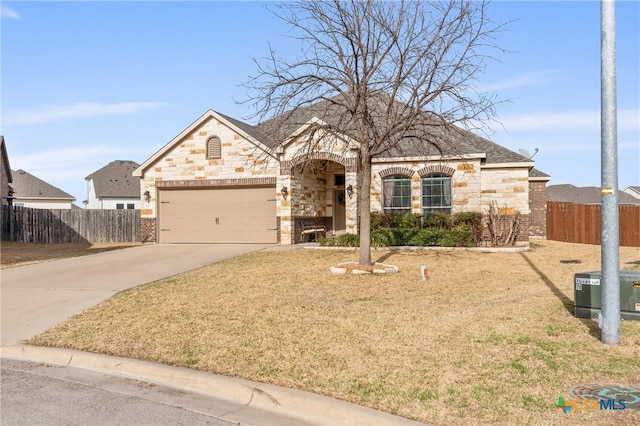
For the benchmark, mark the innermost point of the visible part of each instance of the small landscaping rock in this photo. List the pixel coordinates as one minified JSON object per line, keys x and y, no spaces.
{"x":355,"y":268}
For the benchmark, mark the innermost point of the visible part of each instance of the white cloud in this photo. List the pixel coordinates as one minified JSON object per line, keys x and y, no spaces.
{"x":63,"y":158}
{"x":628,"y":119}
{"x":523,"y":80}
{"x":8,"y":13}
{"x":76,"y":110}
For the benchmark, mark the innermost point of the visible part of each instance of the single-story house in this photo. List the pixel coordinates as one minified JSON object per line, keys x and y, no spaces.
{"x":114,"y":187}
{"x":30,"y":191}
{"x":225,"y":181}
{"x":6,"y":177}
{"x":567,"y":193}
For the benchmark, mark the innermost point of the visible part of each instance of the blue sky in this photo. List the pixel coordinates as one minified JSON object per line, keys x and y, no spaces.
{"x":86,"y":83}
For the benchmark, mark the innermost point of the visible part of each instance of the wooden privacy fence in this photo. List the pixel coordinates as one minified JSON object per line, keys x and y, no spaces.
{"x":24,"y":224}
{"x":580,"y":223}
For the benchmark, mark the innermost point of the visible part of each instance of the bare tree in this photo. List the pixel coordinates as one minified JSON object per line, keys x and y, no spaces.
{"x":388,"y":75}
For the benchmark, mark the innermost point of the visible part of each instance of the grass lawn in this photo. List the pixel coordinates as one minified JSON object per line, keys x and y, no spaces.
{"x":489,"y":338}
{"x":18,"y":254}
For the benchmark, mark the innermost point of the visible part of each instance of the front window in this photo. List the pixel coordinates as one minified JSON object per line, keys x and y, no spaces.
{"x":396,"y":194}
{"x":436,"y":194}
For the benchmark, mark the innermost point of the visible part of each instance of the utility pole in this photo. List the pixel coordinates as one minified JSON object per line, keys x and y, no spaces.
{"x":610,"y":257}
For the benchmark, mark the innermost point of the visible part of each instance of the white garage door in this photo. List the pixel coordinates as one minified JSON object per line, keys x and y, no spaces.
{"x":226,"y":215}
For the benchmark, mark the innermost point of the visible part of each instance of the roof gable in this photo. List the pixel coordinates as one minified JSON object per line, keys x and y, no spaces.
{"x":26,"y":185}
{"x":246,"y":130}
{"x":115,"y":180}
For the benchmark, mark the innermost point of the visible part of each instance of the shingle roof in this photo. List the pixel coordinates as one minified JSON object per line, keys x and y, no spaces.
{"x":26,"y":185}
{"x":567,"y":193}
{"x":253,"y":131}
{"x":535,"y":173}
{"x":451,"y":140}
{"x":115,"y":180}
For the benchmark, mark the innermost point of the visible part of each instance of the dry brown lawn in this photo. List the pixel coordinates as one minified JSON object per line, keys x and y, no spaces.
{"x":489,"y":338}
{"x":18,"y":254}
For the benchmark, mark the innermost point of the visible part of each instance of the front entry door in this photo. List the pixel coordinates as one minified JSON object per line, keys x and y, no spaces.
{"x":339,"y":211}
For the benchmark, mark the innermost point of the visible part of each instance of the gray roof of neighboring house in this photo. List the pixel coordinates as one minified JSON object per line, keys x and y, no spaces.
{"x":634,"y":188}
{"x":443,"y":140}
{"x":115,"y":180}
{"x":26,"y":185}
{"x":567,"y":193}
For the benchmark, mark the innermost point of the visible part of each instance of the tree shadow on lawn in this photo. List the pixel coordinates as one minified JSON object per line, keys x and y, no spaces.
{"x":385,"y":257}
{"x":594,"y":330}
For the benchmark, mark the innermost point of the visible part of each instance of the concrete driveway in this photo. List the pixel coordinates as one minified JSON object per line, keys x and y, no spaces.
{"x":36,"y":297}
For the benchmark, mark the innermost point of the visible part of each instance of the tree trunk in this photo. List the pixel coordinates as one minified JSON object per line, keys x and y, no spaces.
{"x":364,"y":204}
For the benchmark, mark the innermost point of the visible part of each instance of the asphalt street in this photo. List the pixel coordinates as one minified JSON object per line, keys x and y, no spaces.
{"x":38,"y":394}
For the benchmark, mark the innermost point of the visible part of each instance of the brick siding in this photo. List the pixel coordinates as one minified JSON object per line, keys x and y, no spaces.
{"x":538,"y":207}
{"x":148,"y":229}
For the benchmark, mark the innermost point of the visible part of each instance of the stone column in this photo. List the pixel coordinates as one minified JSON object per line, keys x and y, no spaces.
{"x":283,"y":210}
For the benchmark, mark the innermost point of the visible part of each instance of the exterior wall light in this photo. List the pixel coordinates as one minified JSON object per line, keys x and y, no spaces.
{"x":147,"y":196}
{"x":350,"y":191}
{"x":285,"y":192}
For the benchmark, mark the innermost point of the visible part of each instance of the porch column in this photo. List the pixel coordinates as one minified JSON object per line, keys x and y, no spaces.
{"x":351,"y":208}
{"x":283,"y":209}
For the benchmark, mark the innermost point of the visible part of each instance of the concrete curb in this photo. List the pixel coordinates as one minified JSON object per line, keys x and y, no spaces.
{"x":512,"y":249}
{"x":264,"y":402}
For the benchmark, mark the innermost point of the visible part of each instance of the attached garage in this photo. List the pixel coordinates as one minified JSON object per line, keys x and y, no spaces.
{"x":221,"y":215}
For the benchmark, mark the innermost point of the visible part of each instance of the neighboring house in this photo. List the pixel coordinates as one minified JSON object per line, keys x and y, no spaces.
{"x":567,"y":193}
{"x":113,"y":187}
{"x":6,"y":178}
{"x":224,"y":181}
{"x":634,"y":191}
{"x":29,"y":191}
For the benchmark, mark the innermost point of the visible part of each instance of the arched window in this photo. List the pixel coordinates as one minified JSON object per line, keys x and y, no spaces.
{"x":396,"y":194}
{"x":213,"y":148}
{"x":436,"y":194}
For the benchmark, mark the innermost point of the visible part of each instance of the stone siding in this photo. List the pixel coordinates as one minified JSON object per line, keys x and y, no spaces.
{"x":507,"y":187}
{"x":465,"y":182}
{"x":187,"y":161}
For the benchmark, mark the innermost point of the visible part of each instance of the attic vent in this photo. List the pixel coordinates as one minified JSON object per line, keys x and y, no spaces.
{"x":213,"y":148}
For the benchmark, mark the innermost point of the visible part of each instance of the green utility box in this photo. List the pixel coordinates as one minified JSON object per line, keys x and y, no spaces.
{"x":587,"y":297}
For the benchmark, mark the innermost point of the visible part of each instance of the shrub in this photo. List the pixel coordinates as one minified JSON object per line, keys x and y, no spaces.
{"x":405,"y":236}
{"x":460,"y":236}
{"x":348,"y":240}
{"x":380,"y":220}
{"x":427,"y":237}
{"x":503,"y":224}
{"x":473,"y":221}
{"x":395,"y":220}
{"x":381,"y":237}
{"x":438,"y":220}
{"x":326,"y":242}
{"x":411,"y":220}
